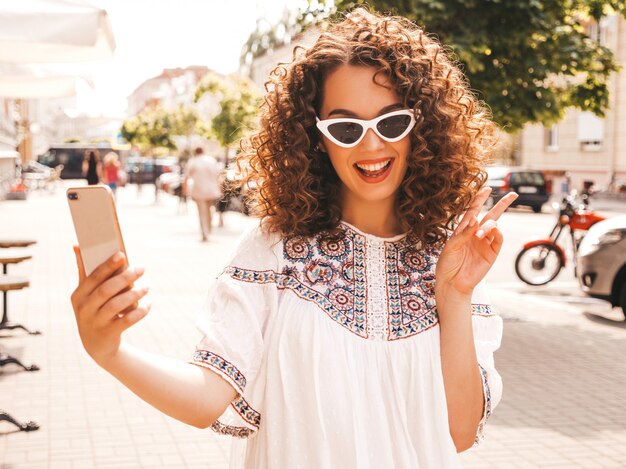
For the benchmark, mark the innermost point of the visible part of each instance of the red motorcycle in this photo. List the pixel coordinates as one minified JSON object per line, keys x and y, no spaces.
{"x":541,"y":260}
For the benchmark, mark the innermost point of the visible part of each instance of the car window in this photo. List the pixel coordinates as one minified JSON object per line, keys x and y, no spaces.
{"x":532,"y":178}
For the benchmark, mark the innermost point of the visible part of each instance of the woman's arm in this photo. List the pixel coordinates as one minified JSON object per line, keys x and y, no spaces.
{"x":463,"y":263}
{"x":461,"y":374}
{"x":189,"y":393}
{"x":105,"y":305}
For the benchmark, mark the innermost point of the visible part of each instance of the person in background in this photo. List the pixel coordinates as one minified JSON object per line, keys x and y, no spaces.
{"x":204,"y":172}
{"x":111,"y":170}
{"x":92,"y":167}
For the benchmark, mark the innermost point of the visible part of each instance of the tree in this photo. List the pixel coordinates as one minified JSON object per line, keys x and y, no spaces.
{"x":267,"y":36}
{"x":239,"y":103}
{"x":152,"y":129}
{"x":187,"y":123}
{"x":528,"y":60}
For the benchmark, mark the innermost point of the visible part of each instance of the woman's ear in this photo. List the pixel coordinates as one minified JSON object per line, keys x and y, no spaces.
{"x":321,"y":147}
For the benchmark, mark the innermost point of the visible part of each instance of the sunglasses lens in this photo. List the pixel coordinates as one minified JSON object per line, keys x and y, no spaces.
{"x":394,"y":126}
{"x":346,"y":132}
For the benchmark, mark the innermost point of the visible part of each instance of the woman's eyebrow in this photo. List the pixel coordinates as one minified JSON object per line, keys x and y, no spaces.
{"x":386,"y":109}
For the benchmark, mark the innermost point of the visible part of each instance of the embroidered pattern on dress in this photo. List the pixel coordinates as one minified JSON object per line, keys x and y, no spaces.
{"x":246,"y":411}
{"x":229,"y":430}
{"x":205,"y":357}
{"x":395,"y":300}
{"x":330,"y":271}
{"x":240,"y":405}
{"x":411,"y":289}
{"x":487,"y":410}
{"x":482,"y":310}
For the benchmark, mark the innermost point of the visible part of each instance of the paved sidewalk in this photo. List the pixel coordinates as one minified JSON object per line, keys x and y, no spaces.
{"x":565,"y":373}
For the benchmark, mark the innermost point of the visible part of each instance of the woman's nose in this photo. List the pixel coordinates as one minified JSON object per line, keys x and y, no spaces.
{"x":371,"y":141}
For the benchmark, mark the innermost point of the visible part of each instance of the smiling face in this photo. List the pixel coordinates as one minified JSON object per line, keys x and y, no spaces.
{"x":373,"y":170}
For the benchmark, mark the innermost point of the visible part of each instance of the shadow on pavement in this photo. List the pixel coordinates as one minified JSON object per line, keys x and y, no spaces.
{"x":599,"y":319}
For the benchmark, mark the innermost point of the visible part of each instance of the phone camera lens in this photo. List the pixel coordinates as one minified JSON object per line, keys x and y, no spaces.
{"x":72,"y":196}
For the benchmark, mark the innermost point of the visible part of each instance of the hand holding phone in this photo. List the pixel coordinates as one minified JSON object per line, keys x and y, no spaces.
{"x":105,"y":302}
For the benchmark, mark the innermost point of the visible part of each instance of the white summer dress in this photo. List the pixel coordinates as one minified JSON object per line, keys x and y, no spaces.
{"x":333,"y":346}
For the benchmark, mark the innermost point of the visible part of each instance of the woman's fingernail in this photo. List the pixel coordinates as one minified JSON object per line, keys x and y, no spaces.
{"x":139,"y":270}
{"x":480,"y":233}
{"x":118,"y":256}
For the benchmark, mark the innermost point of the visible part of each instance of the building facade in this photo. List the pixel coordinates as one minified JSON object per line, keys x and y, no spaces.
{"x":583,"y":147}
{"x":172,"y":87}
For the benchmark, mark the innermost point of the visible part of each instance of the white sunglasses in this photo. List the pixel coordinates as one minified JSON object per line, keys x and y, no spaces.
{"x":347,"y":132}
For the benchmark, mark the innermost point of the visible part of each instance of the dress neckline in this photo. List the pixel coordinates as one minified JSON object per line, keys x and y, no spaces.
{"x":372,"y":237}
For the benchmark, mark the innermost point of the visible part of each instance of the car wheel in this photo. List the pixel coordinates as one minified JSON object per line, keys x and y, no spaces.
{"x":537,"y":208}
{"x":489,"y":203}
{"x":622,"y":300}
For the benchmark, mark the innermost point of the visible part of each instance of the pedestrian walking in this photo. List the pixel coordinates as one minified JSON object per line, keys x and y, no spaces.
{"x":111,"y":170}
{"x":204,"y":172}
{"x":92,"y":167}
{"x":351,"y":328}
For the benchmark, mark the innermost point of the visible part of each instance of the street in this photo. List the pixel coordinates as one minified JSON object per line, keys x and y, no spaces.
{"x":562,"y":358}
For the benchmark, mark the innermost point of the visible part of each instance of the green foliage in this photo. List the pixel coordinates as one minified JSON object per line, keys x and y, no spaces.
{"x":239,"y":103}
{"x":267,"y":36}
{"x":154,"y":129}
{"x":528,"y":60}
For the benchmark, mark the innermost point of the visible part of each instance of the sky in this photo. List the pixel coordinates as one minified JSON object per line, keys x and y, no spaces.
{"x":153,"y":35}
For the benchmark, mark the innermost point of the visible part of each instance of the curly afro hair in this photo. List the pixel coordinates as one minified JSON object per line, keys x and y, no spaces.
{"x":296,"y":190}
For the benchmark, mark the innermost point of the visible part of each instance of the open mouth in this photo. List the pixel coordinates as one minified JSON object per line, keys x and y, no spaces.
{"x":374,"y":171}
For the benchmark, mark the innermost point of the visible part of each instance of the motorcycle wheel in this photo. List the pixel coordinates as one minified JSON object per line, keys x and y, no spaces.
{"x":539,"y":264}
{"x":622,"y":300}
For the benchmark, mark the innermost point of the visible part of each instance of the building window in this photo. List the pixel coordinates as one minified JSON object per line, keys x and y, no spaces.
{"x":552,"y":138}
{"x":590,"y":131}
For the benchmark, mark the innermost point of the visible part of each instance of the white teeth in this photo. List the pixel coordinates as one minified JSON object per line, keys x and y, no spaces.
{"x":373,"y":167}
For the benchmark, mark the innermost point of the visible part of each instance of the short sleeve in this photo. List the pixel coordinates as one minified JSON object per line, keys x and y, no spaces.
{"x":240,"y":302}
{"x":487,"y":329}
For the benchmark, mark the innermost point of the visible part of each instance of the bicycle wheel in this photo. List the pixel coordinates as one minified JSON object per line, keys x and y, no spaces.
{"x":539,"y":264}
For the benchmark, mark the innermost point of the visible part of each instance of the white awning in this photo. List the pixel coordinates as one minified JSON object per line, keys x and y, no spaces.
{"x":34,"y":82}
{"x":45,"y":31}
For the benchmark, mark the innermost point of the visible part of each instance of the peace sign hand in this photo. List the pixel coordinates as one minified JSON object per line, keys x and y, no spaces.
{"x":473,"y":248}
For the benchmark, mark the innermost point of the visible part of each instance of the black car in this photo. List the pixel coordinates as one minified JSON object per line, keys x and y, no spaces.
{"x":530,"y":184}
{"x":71,"y":156}
{"x":141,"y":170}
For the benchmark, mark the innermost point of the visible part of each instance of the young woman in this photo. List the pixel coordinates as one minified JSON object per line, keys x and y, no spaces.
{"x":350,"y":329}
{"x":92,"y":167}
{"x":111,"y":170}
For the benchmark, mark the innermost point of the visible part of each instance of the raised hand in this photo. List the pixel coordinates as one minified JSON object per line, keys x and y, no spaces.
{"x":473,"y":248}
{"x":105,"y":305}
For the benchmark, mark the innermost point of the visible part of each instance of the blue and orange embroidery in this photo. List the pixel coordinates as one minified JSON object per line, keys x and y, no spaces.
{"x":330,"y":271}
{"x":411,"y":289}
{"x":487,"y":409}
{"x":483,"y":310}
{"x":224,"y":367}
{"x":240,"y":405}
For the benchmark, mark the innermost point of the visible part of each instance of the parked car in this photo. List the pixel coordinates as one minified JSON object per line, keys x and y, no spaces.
{"x":141,"y":170}
{"x":601,"y":270}
{"x":71,"y":156}
{"x":531,"y":185}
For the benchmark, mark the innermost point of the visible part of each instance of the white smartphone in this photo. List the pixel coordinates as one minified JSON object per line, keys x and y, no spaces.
{"x":96,"y":224}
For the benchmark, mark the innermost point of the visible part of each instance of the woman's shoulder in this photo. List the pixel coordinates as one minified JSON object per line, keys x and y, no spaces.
{"x":257,"y":249}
